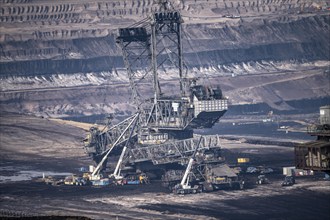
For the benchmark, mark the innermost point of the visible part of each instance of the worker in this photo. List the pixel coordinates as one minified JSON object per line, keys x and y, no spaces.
{"x":144,"y":179}
{"x":141,"y":178}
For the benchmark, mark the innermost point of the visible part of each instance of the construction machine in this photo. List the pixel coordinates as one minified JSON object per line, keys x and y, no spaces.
{"x":161,"y":131}
{"x":262,"y":179}
{"x":221,"y":176}
{"x":185,"y":186}
{"x":75,"y":180}
{"x":288,"y":181}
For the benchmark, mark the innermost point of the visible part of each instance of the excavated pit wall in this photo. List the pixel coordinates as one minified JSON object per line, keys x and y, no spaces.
{"x":48,"y":47}
{"x":45,"y":37}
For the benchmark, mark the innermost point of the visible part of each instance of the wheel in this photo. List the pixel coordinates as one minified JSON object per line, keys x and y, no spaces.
{"x":194,"y":191}
{"x":181,"y":191}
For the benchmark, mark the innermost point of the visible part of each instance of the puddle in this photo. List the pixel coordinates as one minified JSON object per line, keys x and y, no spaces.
{"x":29,"y":175}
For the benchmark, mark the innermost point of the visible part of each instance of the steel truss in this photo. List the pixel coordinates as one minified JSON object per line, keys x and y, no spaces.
{"x":166,"y":45}
{"x":169,"y":114}
{"x":173,"y":151}
{"x":164,"y":132}
{"x":99,"y":142}
{"x":135,"y":45}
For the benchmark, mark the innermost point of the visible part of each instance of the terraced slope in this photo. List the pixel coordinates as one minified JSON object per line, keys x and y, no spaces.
{"x":59,"y":58}
{"x":47,"y":37}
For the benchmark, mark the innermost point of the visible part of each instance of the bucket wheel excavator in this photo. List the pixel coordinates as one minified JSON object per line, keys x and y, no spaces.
{"x":160,"y":134}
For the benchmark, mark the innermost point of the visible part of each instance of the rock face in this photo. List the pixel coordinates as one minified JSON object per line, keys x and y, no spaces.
{"x":47,"y":45}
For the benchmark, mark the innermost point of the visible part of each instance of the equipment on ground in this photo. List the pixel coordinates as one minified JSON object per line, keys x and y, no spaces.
{"x":49,"y":180}
{"x":262,"y":179}
{"x":184,"y":187}
{"x":74,"y":180}
{"x":221,"y":176}
{"x":116,"y":173}
{"x":161,"y":132}
{"x":289,"y":181}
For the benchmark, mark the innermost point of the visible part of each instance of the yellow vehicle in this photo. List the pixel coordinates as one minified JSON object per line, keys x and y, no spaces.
{"x":74,"y":180}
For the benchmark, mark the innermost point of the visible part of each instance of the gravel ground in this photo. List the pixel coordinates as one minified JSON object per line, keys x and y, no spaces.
{"x":25,"y":196}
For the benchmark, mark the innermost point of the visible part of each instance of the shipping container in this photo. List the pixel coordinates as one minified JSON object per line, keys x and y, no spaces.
{"x":288,"y":171}
{"x":243,"y":160}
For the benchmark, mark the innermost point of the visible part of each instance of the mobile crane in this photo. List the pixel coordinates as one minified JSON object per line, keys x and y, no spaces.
{"x":185,"y":186}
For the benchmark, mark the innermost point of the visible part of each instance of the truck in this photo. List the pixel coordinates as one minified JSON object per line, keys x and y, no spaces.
{"x":221,"y":176}
{"x":288,"y":181}
{"x":74,"y":180}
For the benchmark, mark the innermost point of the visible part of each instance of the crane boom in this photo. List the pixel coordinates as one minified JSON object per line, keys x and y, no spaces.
{"x":98,"y":168}
{"x":116,"y":172}
{"x":184,"y":182}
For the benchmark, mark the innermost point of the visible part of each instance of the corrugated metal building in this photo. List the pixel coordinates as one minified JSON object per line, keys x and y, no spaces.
{"x":315,"y":155}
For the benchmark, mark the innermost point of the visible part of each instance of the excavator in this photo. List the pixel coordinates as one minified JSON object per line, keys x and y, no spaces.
{"x":162,"y":138}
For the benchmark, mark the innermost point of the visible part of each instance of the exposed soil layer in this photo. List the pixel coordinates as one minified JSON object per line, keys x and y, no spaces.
{"x":60,"y":58}
{"x":281,"y":92}
{"x":43,"y":37}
